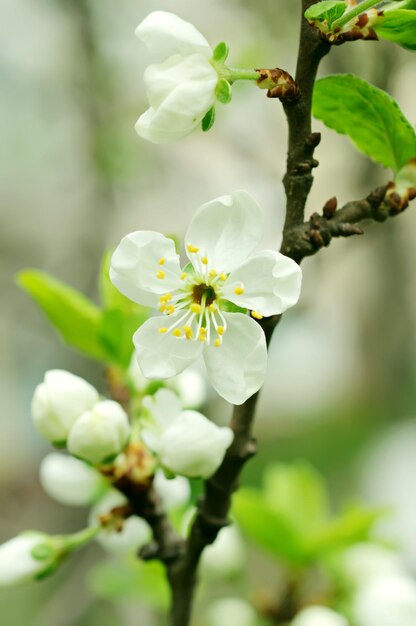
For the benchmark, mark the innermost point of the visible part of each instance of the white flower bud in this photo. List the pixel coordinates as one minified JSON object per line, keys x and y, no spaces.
{"x":386,"y":601}
{"x":319,"y":616}
{"x":366,"y":561}
{"x":174,"y":492}
{"x":191,"y":445}
{"x":135,"y":532}
{"x":191,"y":387}
{"x":70,"y":481}
{"x":58,"y":402}
{"x":226,"y":556}
{"x":230,"y":611}
{"x":100,"y":434}
{"x":25,"y":558}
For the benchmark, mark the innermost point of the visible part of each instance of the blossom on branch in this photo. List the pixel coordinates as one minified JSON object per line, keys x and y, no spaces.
{"x":180,"y":89}
{"x":204,"y":306}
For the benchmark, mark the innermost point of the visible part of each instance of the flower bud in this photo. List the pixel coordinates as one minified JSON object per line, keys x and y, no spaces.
{"x":58,"y":402}
{"x":226,"y":556}
{"x":319,"y":616}
{"x":99,"y":435}
{"x":363,"y":562}
{"x":174,"y":492}
{"x":26,"y":557}
{"x":230,"y":611}
{"x":128,"y":538}
{"x":193,"y":445}
{"x":386,"y":601}
{"x":70,"y":481}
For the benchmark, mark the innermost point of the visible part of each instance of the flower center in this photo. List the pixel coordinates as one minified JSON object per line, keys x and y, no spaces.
{"x":204,"y":293}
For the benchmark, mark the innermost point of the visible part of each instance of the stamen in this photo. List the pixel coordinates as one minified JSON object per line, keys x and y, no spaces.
{"x":213,"y":273}
{"x":162,"y":308}
{"x":163,"y":330}
{"x":162,"y":261}
{"x":202,"y":334}
{"x":184,"y":275}
{"x":170,"y":309}
{"x":195,"y":307}
{"x":217,"y":343}
{"x":188,"y":332}
{"x":177,"y":332}
{"x":220,"y":330}
{"x":192,"y":249}
{"x":213,"y":307}
{"x":239,"y":290}
{"x":204,"y":260}
{"x":256,"y":315}
{"x":223,"y":276}
{"x":160,"y":274}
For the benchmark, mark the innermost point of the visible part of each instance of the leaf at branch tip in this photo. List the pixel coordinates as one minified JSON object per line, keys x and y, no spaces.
{"x":208,"y":121}
{"x":398,"y":26}
{"x":223,"y":91}
{"x":76,"y":319}
{"x":221,"y":52}
{"x":369,"y":116}
{"x":328,"y":11}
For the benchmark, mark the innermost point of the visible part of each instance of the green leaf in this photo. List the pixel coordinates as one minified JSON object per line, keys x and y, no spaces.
{"x":76,"y":319}
{"x":398,"y":26}
{"x":208,"y":121}
{"x":116,"y":333}
{"x":327,"y":10}
{"x":369,"y":116}
{"x":265,"y":526}
{"x":223,"y":91}
{"x":230,"y":307}
{"x":221,"y":52}
{"x":131,"y":580}
{"x":298,"y":492}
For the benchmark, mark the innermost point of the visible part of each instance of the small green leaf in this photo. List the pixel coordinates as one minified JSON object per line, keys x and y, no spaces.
{"x":76,"y":319}
{"x":265,"y":526}
{"x":223,"y":91}
{"x":116,"y":333}
{"x":398,"y":26}
{"x":208,"y":121}
{"x":221,"y":52}
{"x":369,"y":116}
{"x":328,"y":11}
{"x":230,"y":307}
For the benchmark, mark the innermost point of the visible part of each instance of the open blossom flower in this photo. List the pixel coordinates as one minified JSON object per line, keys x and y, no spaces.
{"x":181,"y":89}
{"x":186,"y":442}
{"x":195,"y":302}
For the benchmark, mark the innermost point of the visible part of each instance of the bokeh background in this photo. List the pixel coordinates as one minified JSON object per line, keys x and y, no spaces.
{"x":75,"y":178}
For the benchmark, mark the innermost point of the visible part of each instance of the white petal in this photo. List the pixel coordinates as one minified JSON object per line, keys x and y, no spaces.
{"x":179,"y":114}
{"x":319,"y":616}
{"x":226,"y":230}
{"x":135,"y":265}
{"x":165,"y":34}
{"x":271,"y":283}
{"x":17,"y":565}
{"x":164,"y":78}
{"x":163,"y":355}
{"x":163,"y":407}
{"x":237,"y":368}
{"x":174,"y":492}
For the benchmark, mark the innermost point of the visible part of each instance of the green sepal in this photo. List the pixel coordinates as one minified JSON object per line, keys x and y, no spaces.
{"x":221,"y":51}
{"x":398,"y":26}
{"x":43,"y":552}
{"x":223,"y":91}
{"x":208,"y":120}
{"x":326,"y":11}
{"x":230,"y":307}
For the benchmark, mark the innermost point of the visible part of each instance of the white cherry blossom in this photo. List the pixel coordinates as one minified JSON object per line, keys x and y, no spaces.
{"x":181,"y":88}
{"x":196,"y":314}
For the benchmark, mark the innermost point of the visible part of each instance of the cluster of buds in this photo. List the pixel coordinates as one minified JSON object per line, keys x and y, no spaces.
{"x":334,"y":26}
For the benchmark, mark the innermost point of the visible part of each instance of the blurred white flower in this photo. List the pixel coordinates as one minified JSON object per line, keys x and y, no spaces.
{"x":226,"y":556}
{"x":196,"y":303}
{"x":386,"y":601}
{"x":135,"y":532}
{"x":181,"y":89}
{"x":100,"y":434}
{"x":230,"y":611}
{"x":70,"y":481}
{"x":25,"y":557}
{"x":58,"y":402}
{"x":319,"y":616}
{"x":186,"y":442}
{"x":174,"y":492}
{"x":364,"y":562}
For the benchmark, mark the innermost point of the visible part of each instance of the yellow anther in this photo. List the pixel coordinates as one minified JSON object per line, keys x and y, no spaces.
{"x":162,"y":261}
{"x":188,"y":332}
{"x":163,"y":330}
{"x":239,"y":290}
{"x":184,"y":275}
{"x":256,"y":315}
{"x":202,"y":335}
{"x":162,"y":308}
{"x":167,"y":297}
{"x":223,"y":276}
{"x":213,"y":273}
{"x":217,"y":343}
{"x":192,"y":249}
{"x":213,"y":307}
{"x":220,"y":330}
{"x":170,"y":309}
{"x":160,"y":274}
{"x":195,"y":307}
{"x":177,"y":332}
{"x":203,"y":330}
{"x":204,"y":260}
